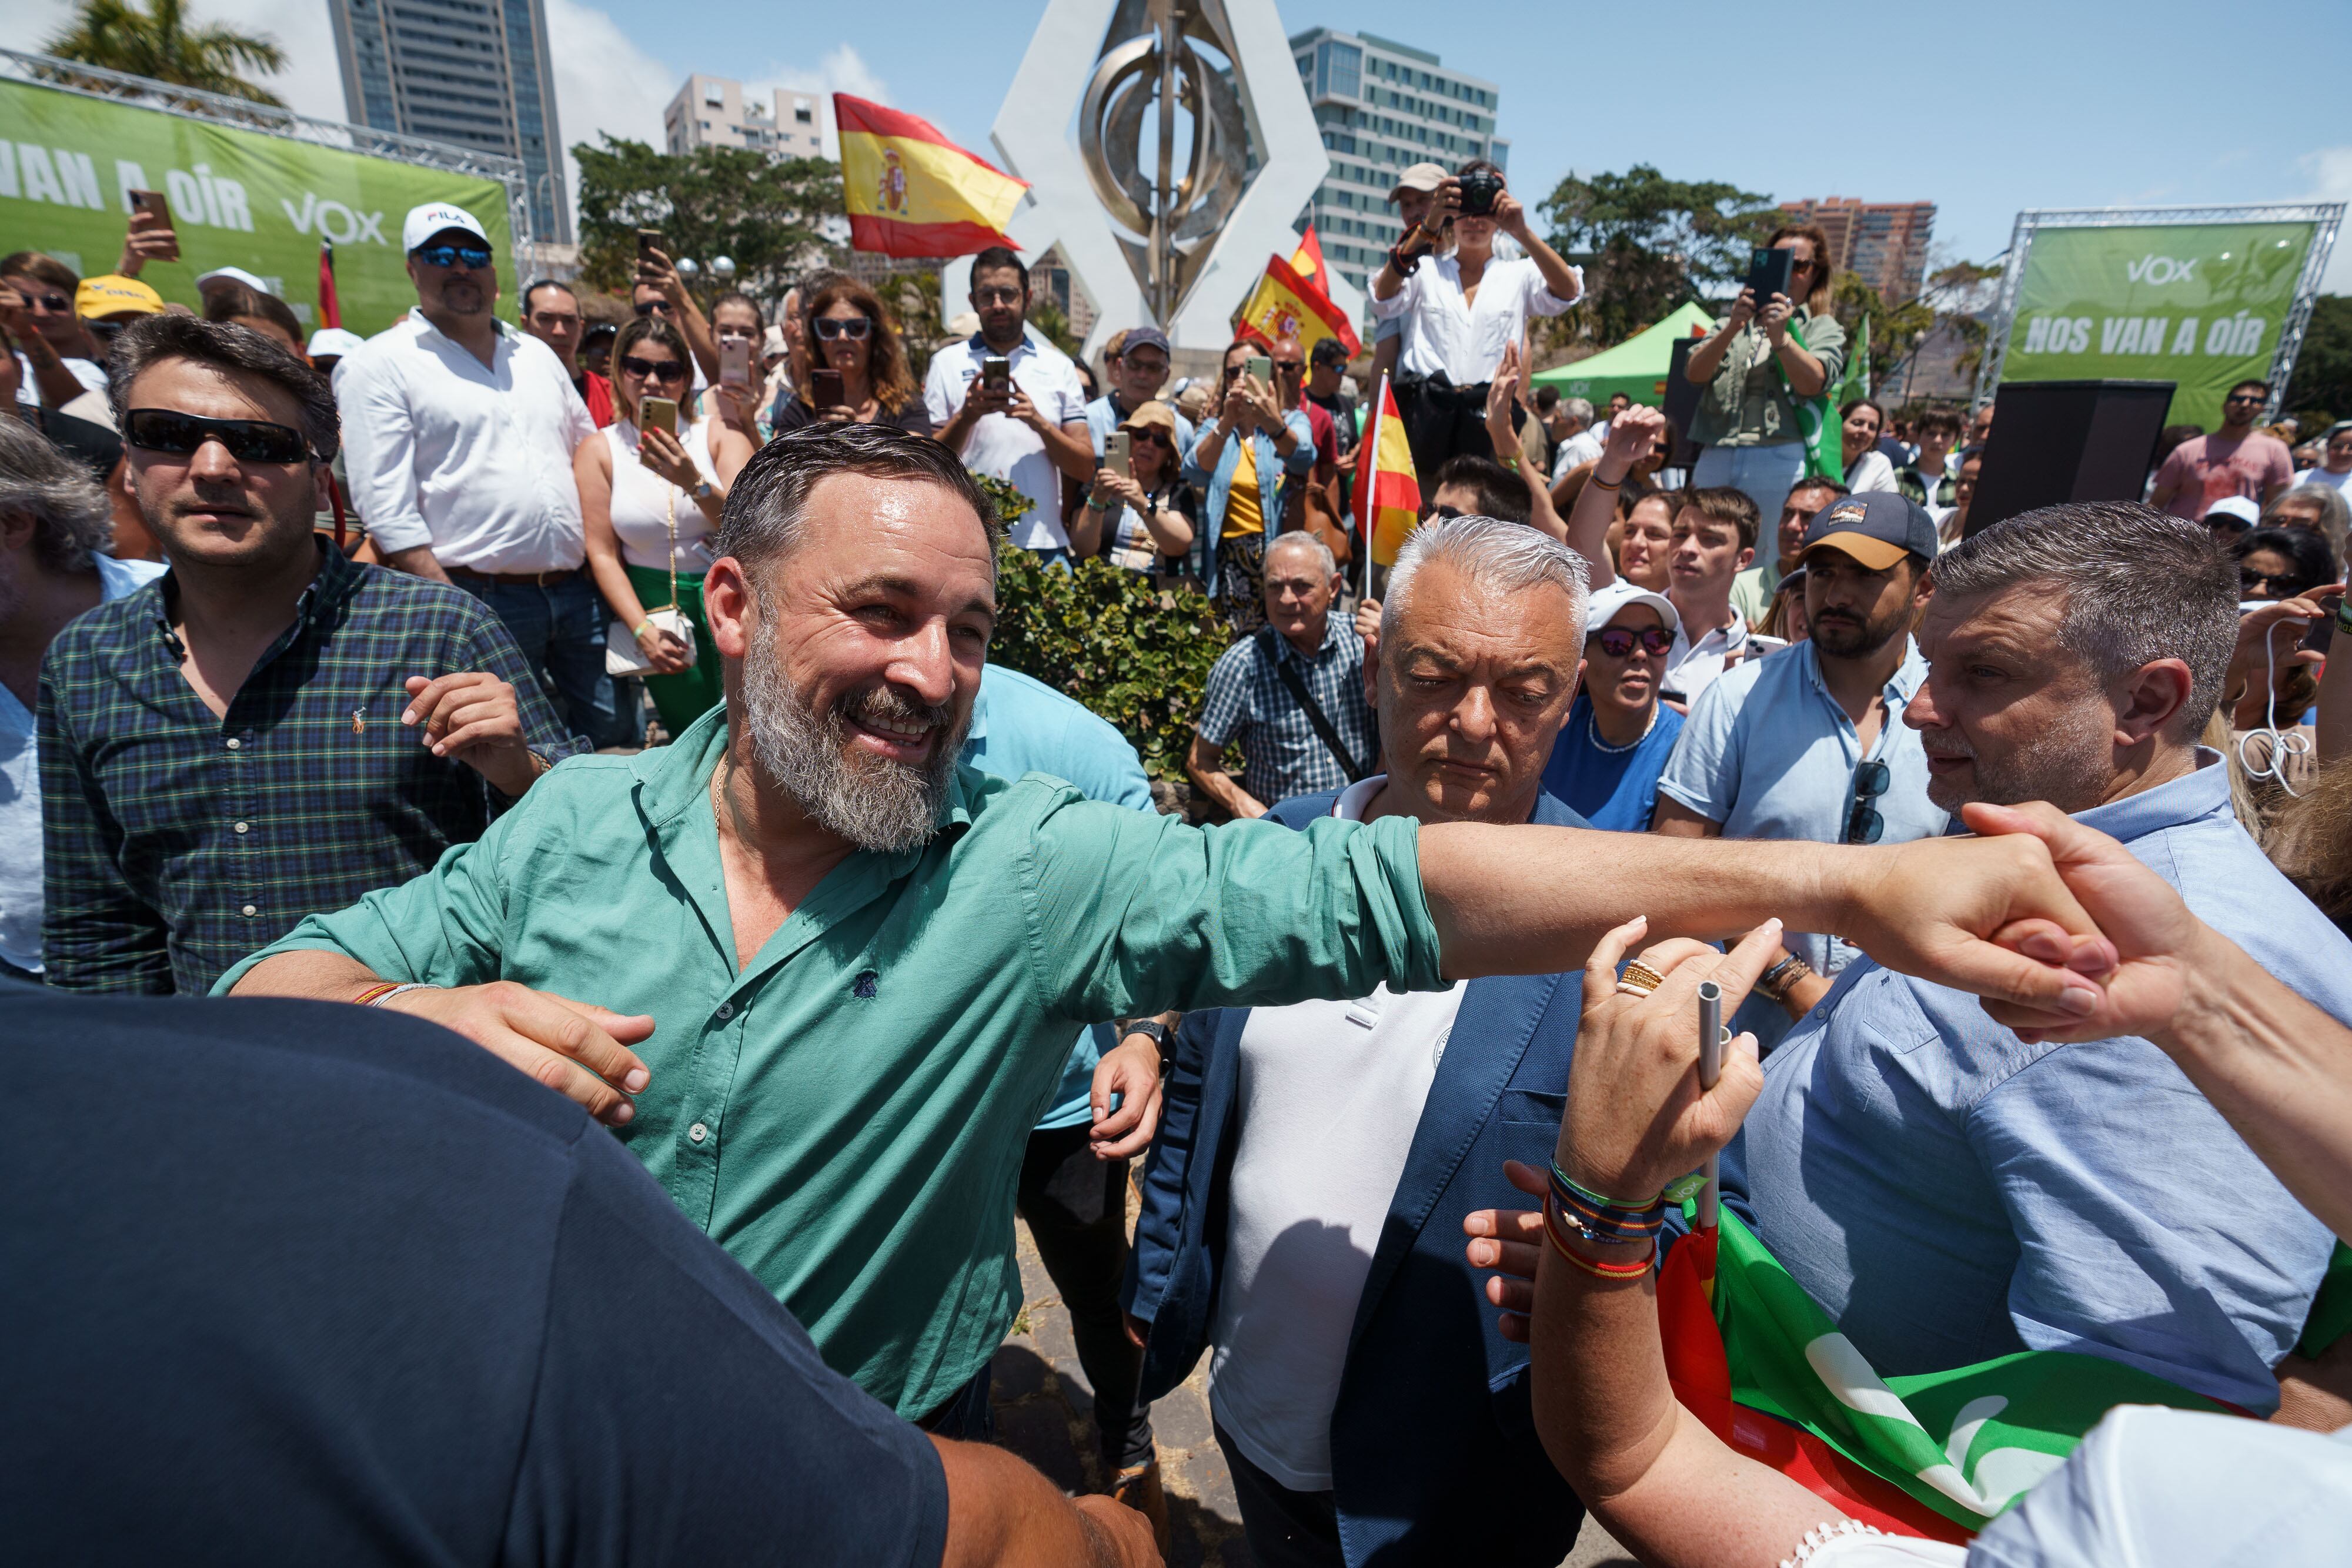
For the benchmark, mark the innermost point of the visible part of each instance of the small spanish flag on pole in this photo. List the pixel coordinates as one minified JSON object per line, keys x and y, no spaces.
{"x":910,"y":190}
{"x":1308,"y":261}
{"x":1285,"y":305}
{"x":1388,"y":492}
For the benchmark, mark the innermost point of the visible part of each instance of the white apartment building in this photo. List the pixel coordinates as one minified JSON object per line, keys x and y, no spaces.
{"x":712,"y":111}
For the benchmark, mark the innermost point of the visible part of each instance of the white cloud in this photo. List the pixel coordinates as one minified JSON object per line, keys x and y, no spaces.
{"x":2330,"y":170}
{"x":604,"y":82}
{"x":843,"y":71}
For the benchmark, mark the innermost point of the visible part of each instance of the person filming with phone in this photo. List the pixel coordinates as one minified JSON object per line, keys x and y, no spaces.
{"x":1013,"y":409}
{"x":1463,"y":306}
{"x":1150,"y":516}
{"x":651,"y":493}
{"x":1777,"y":347}
{"x":858,"y":373}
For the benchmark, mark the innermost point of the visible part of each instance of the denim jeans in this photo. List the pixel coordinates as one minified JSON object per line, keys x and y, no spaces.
{"x":1767,"y":473}
{"x":561,"y":630}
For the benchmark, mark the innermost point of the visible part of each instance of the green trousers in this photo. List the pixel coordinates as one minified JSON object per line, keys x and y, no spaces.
{"x":685,"y":696}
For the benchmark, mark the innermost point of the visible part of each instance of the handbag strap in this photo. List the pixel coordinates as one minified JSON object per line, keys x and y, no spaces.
{"x":669,"y":519}
{"x":1269,"y":642}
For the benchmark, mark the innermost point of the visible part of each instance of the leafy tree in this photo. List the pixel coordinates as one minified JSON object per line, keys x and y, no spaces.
{"x":161,"y":42}
{"x":1648,"y":243}
{"x":913,"y":301}
{"x":2321,"y":387}
{"x":1047,"y":316}
{"x":770,"y":216}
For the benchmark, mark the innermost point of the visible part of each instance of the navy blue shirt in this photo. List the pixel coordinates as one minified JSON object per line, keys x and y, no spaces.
{"x":345,"y":1288}
{"x":1615,"y":789}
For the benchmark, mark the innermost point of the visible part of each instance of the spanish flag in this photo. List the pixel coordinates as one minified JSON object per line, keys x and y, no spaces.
{"x":1308,"y":261}
{"x":1285,"y":305}
{"x":910,"y":190}
{"x":1388,"y":492}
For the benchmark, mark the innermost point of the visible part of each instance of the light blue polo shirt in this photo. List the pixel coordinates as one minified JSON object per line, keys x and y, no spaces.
{"x":1770,"y":754}
{"x":1020,"y":725}
{"x":1948,"y":1193}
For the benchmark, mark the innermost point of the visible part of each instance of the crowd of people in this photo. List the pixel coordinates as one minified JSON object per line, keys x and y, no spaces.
{"x":2020,"y":852}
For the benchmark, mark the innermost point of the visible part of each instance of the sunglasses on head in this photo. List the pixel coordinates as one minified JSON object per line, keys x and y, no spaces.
{"x":1865,"y":826}
{"x":653,"y":369}
{"x":180,"y":434}
{"x":473,"y":256}
{"x":1618,"y":642}
{"x":854,"y":327}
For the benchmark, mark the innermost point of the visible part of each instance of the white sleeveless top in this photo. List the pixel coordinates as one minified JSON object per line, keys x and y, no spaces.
{"x":642,"y":499}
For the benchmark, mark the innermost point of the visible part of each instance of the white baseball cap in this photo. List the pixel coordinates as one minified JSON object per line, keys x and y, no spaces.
{"x":335,"y":341}
{"x":234,"y":274}
{"x":422,"y":223}
{"x":2243,"y":509}
{"x":1619,"y":595}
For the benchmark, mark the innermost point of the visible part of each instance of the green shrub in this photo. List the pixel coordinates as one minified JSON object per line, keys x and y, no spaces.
{"x":1133,"y":652}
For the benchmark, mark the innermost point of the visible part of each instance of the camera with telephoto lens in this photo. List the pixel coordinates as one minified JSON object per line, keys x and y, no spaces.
{"x":1479,"y":189}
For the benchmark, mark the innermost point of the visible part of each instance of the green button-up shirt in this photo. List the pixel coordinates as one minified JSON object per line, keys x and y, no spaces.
{"x":846,"y":1114}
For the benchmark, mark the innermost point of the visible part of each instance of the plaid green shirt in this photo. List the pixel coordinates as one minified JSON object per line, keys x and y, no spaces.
{"x":174,"y":842}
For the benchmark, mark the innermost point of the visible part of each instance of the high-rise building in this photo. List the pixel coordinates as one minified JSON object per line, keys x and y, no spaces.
{"x":1887,"y":242}
{"x":474,"y":72}
{"x":712,"y":111}
{"x":1383,"y":106}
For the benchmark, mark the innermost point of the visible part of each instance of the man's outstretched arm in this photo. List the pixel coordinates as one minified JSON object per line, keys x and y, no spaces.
{"x":1531,"y":900}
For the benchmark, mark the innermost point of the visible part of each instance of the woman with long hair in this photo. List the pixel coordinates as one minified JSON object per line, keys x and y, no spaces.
{"x":1768,"y":357}
{"x":1866,"y":467}
{"x":650,"y":502}
{"x":849,"y":334}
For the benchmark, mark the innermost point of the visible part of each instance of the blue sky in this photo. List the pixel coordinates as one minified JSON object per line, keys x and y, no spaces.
{"x":1982,"y":108}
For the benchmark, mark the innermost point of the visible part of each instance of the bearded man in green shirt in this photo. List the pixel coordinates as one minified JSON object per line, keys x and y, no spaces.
{"x":821,"y":981}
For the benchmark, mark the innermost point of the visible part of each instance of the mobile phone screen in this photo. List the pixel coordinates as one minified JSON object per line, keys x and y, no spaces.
{"x":996,"y":372}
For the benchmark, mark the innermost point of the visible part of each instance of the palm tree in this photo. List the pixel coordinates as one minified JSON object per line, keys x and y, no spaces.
{"x":159,"y":42}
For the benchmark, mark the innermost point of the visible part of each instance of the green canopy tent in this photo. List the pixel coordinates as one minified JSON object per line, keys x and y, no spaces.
{"x":1636,"y":367}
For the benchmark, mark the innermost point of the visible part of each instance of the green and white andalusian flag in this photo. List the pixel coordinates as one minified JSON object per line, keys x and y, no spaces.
{"x":1938,"y":1454}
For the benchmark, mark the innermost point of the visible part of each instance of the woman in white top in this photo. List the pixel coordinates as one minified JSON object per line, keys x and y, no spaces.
{"x":650,"y":502}
{"x":1866,"y":467}
{"x":1462,"y":308}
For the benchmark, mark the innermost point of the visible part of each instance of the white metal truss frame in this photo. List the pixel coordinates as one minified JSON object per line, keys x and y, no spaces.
{"x":243,"y":114}
{"x":2327,"y":218}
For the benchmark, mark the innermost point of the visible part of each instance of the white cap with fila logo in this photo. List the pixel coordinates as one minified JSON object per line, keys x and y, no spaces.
{"x":437,"y":218}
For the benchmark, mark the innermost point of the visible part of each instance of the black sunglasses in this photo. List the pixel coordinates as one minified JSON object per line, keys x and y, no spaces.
{"x":1153,"y":435}
{"x":2249,"y":581}
{"x":1446,"y":512}
{"x":180,"y":435}
{"x":648,"y":307}
{"x":1865,"y":826}
{"x":473,"y":256}
{"x":1617,"y":641}
{"x":653,"y":369}
{"x":856,"y":329}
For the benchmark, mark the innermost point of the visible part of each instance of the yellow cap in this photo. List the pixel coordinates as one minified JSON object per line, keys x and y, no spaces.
{"x":115,"y":295}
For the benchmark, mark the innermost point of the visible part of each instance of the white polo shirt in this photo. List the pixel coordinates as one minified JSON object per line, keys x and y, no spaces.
{"x":1692,"y":667}
{"x":472,"y":459}
{"x":1000,"y":445}
{"x":1330,"y":1096}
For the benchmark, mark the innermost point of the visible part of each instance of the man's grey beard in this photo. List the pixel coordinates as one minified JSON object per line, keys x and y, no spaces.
{"x":874,"y":803}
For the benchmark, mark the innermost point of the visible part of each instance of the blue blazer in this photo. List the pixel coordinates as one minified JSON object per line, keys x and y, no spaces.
{"x":1434,"y":1457}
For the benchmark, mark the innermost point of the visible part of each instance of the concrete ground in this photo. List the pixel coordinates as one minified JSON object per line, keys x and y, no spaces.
{"x":1043,"y":1414}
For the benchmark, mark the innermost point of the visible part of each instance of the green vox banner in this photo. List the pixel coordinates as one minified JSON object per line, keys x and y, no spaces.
{"x":2198,"y":303}
{"x":238,"y":198}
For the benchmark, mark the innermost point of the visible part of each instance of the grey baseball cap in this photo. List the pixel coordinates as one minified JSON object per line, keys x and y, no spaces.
{"x":1420,"y":177}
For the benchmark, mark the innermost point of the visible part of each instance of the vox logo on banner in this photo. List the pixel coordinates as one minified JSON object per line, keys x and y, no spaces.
{"x":2197,"y":304}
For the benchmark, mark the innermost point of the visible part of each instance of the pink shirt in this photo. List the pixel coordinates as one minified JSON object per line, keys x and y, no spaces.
{"x":2201,"y":471}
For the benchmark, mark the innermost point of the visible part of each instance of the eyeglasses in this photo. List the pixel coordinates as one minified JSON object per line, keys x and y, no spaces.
{"x":986,"y":297}
{"x":653,"y":369}
{"x":1618,"y":642}
{"x":648,"y":307}
{"x":472,"y":256}
{"x":854,"y":327}
{"x":1865,"y":825}
{"x":179,"y":435}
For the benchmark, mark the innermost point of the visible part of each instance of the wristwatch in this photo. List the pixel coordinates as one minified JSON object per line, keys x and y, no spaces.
{"x":704,"y":490}
{"x":1151,"y":1030}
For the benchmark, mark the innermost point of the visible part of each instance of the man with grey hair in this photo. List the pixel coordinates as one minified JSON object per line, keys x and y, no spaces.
{"x":1304,"y":1229}
{"x":1573,"y":430}
{"x":55,"y":530}
{"x":1951,"y":1191}
{"x":1291,"y":692}
{"x":854,"y":969}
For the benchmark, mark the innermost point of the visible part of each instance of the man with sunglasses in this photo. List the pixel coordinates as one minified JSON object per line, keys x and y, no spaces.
{"x":1809,"y":742}
{"x":2235,"y":460}
{"x":268,"y":729}
{"x":57,"y":359}
{"x":459,"y":432}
